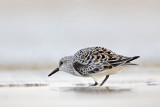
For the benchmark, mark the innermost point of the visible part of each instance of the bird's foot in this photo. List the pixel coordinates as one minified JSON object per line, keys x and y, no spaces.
{"x":96,"y":83}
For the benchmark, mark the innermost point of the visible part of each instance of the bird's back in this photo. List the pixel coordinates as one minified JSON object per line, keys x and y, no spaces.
{"x":94,"y":60}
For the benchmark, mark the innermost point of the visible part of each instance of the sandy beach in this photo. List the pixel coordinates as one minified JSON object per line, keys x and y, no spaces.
{"x":109,"y":96}
{"x":132,"y":87}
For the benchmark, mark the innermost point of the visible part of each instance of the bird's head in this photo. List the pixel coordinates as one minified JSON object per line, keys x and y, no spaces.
{"x":64,"y":64}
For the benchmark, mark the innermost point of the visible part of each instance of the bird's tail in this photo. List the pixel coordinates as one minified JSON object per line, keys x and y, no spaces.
{"x":128,"y":62}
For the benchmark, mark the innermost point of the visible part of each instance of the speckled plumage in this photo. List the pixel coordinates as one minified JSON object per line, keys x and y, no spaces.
{"x":94,"y":62}
{"x":96,"y":59}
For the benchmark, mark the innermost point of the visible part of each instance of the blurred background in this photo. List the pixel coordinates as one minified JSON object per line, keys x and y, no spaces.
{"x":41,"y":31}
{"x":36,"y":34}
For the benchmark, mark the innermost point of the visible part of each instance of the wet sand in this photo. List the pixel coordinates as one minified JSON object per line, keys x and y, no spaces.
{"x":132,"y":87}
{"x":141,"y":96}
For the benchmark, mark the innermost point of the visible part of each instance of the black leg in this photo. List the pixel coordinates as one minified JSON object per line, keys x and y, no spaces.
{"x":104,"y":80}
{"x":96,"y":83}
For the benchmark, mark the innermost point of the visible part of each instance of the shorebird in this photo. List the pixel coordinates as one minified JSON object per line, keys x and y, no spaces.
{"x":94,"y":62}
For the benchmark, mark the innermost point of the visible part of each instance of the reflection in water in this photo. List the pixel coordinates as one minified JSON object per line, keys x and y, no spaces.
{"x":153,"y":83}
{"x":23,"y":85}
{"x":92,"y":90}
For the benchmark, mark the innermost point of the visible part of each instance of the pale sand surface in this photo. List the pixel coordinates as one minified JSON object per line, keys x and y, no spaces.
{"x":141,"y":96}
{"x":130,"y":88}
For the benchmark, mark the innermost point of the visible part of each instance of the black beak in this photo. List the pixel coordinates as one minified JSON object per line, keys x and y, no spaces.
{"x":56,"y":70}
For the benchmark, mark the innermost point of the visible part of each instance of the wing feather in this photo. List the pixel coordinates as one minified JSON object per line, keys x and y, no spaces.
{"x":96,"y":59}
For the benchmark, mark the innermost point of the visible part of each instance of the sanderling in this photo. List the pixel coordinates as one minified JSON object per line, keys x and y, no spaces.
{"x":94,"y":62}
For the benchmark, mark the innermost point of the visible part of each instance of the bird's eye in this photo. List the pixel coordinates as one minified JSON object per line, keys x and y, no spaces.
{"x":60,"y":63}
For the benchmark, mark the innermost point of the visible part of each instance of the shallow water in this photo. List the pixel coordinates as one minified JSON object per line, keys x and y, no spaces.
{"x":134,"y":76}
{"x":132,"y":87}
{"x":114,"y":96}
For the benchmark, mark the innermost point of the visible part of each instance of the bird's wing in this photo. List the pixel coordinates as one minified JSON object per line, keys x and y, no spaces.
{"x":92,"y":60}
{"x":96,"y":59}
{"x":122,"y":60}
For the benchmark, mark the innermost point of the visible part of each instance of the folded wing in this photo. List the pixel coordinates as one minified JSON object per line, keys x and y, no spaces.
{"x":96,"y":59}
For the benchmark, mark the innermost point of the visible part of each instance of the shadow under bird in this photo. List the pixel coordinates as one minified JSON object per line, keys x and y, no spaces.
{"x":94,"y":62}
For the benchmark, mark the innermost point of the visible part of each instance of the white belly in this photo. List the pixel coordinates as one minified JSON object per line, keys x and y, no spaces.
{"x":115,"y":70}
